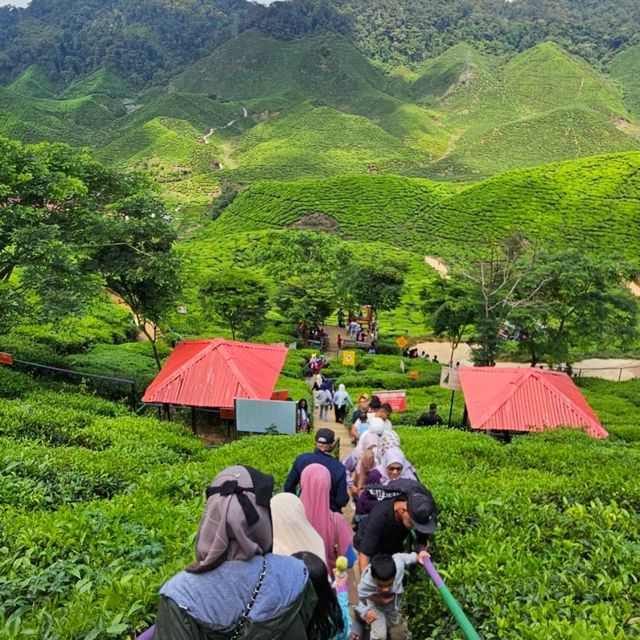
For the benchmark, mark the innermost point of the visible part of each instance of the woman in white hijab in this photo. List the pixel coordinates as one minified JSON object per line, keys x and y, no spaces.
{"x":341,"y":402}
{"x":365,"y":451}
{"x":292,"y":532}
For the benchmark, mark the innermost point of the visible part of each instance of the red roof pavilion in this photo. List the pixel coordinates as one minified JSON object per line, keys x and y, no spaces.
{"x":212,"y":373}
{"x":525,"y":399}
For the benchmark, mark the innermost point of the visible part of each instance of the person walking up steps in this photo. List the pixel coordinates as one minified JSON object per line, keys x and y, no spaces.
{"x":341,"y":402}
{"x":322,"y":454}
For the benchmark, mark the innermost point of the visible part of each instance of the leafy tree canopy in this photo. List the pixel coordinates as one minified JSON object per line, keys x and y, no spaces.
{"x":148,"y":40}
{"x":375,"y":283}
{"x":68,"y":226}
{"x":237,"y":299}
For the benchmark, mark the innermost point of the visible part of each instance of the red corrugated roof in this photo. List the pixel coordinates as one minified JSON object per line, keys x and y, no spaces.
{"x":211,"y":373}
{"x":525,"y":399}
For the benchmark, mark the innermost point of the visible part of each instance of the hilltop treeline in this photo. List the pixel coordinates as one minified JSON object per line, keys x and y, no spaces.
{"x":147,"y":40}
{"x":397,"y":31}
{"x":140,"y":40}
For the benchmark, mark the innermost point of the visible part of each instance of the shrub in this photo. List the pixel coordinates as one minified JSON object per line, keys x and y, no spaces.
{"x":14,"y":384}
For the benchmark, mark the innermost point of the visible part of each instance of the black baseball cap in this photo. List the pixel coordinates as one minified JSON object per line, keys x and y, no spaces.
{"x":325,"y":436}
{"x":423,"y":512}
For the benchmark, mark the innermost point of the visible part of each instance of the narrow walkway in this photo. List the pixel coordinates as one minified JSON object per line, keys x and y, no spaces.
{"x":344,"y":436}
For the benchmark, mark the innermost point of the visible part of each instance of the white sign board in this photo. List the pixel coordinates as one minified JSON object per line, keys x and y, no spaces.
{"x":450,"y":379}
{"x":265,"y":416}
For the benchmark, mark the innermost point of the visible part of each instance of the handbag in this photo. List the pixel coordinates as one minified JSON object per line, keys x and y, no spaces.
{"x":247,"y":610}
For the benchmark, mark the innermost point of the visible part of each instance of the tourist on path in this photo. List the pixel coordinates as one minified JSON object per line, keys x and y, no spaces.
{"x":391,"y":520}
{"x":325,"y":442}
{"x":292,"y":532}
{"x":302,"y":416}
{"x":380,"y":593}
{"x":341,"y":402}
{"x":359,"y":413}
{"x":394,"y":466}
{"x":315,"y":484}
{"x":233,"y":567}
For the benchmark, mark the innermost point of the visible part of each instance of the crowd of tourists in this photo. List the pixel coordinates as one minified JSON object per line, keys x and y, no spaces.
{"x":270,"y":566}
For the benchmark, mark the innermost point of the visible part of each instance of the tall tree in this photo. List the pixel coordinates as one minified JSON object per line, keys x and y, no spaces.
{"x":68,"y":225}
{"x":492,"y":287}
{"x":449,"y":309}
{"x":237,"y":299}
{"x":376,"y":283}
{"x":582,"y":302}
{"x":305,"y":300}
{"x":51,"y":202}
{"x":139,"y":262}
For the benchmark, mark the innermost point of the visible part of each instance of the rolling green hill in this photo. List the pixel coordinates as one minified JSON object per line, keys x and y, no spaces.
{"x":255,"y":68}
{"x":102,"y":81}
{"x":381,"y":207}
{"x":33,"y":82}
{"x":316,"y":107}
{"x":555,"y":135}
{"x":543,"y":105}
{"x":625,"y":68}
{"x":591,"y":203}
{"x":320,"y":141}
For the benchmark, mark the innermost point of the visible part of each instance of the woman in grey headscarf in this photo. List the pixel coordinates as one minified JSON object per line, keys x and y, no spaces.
{"x":236,"y":588}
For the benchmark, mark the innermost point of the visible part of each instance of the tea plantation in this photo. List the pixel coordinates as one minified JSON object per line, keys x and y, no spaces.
{"x":538,"y":539}
{"x":592,"y":202}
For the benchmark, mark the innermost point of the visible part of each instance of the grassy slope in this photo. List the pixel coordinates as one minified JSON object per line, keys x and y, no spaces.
{"x":591,"y":202}
{"x":542,"y":105}
{"x":625,"y":68}
{"x":32,"y":111}
{"x":323,"y":138}
{"x":378,"y":207}
{"x":316,"y":107}
{"x":320,"y":141}
{"x":255,"y":66}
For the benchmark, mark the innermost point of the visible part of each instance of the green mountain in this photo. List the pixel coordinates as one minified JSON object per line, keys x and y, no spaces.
{"x":540,"y":106}
{"x":320,"y":141}
{"x":33,"y":82}
{"x":256,"y":69}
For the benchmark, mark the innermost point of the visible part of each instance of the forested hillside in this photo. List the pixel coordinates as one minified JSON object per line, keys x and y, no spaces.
{"x":148,"y":39}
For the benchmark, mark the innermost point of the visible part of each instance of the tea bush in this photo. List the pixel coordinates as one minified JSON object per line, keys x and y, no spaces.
{"x":14,"y":384}
{"x":537,"y":539}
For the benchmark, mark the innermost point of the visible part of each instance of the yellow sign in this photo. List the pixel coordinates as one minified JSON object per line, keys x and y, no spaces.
{"x":402,"y":342}
{"x":349,"y":358}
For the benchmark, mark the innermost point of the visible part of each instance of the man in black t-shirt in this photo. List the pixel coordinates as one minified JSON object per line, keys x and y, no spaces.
{"x":389,"y":523}
{"x":430,"y":419}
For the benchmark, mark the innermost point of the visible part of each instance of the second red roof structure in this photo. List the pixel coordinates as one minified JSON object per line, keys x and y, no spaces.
{"x":212,"y":373}
{"x":525,"y":399}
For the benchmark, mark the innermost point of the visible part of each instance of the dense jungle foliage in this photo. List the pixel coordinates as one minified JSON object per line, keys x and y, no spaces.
{"x":147,"y":39}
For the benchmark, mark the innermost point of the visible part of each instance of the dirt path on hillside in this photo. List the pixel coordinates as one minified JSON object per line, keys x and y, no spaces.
{"x":440,"y":267}
{"x":451,"y":143}
{"x":616,"y":369}
{"x":606,"y":368}
{"x":206,"y":136}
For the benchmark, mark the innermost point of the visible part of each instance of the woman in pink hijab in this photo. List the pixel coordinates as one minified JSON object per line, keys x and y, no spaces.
{"x":315,"y":484}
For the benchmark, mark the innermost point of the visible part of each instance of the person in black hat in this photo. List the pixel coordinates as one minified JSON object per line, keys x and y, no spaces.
{"x":322,"y":454}
{"x":410,"y":506}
